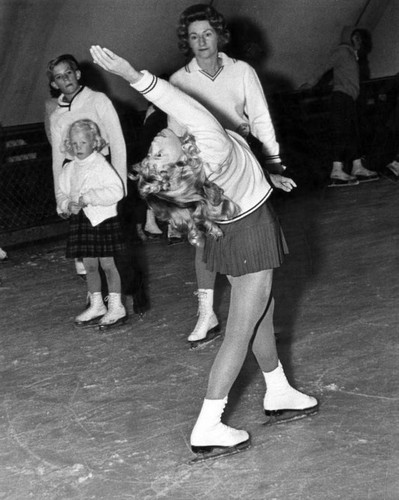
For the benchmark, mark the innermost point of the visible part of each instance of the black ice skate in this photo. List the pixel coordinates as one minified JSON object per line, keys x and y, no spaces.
{"x":288,"y":415}
{"x":213,"y":452}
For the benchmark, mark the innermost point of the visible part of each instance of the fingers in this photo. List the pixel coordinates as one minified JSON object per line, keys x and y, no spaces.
{"x":101,"y":56}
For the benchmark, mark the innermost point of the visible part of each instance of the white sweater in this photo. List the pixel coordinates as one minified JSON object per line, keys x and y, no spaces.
{"x":97,"y":107}
{"x":94,"y":179}
{"x":229,"y":162}
{"x":235,"y":96}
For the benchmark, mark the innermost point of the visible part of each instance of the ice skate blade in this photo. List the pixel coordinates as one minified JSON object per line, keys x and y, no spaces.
{"x":365,"y":178}
{"x":119,"y":322}
{"x":212,"y":335}
{"x":92,"y":323}
{"x":205,"y":453}
{"x":276,"y":417}
{"x":340,"y":183}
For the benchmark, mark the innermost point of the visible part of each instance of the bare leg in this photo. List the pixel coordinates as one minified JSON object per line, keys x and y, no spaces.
{"x":111,"y":274}
{"x":249,"y":298}
{"x":205,"y":278}
{"x":93,"y":275}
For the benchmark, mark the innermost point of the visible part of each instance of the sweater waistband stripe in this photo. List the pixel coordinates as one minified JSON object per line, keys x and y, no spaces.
{"x":244,"y":214}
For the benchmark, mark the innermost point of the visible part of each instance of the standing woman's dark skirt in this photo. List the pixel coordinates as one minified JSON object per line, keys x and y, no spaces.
{"x":249,"y":245}
{"x":104,"y":240}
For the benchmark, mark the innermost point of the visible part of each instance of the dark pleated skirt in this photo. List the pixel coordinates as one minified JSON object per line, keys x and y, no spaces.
{"x":104,"y":240}
{"x":252,"y":244}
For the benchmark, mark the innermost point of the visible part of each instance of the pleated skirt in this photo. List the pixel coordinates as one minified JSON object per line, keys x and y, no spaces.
{"x":104,"y":240}
{"x":249,"y":245}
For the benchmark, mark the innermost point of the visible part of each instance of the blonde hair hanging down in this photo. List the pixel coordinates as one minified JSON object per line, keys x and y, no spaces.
{"x":181,"y":193}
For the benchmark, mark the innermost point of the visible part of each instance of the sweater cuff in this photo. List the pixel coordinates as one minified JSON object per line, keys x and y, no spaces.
{"x":146,"y":83}
{"x":272,"y":159}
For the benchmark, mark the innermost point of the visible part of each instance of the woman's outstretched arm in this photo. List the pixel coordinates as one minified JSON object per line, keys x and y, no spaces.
{"x":112,"y":63}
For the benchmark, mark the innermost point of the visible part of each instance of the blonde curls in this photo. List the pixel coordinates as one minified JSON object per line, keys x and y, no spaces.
{"x":91,"y":129}
{"x":182,"y":194}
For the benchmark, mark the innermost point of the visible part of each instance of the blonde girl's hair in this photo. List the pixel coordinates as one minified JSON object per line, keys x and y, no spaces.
{"x":90,"y":128}
{"x":182,"y":194}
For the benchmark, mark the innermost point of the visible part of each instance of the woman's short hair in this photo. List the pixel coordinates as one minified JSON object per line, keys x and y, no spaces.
{"x":63,"y":58}
{"x":182,"y":194}
{"x":90,"y":128}
{"x":201,"y":12}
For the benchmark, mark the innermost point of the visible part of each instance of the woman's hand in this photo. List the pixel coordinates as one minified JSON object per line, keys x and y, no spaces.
{"x":285,"y":183}
{"x":112,"y":63}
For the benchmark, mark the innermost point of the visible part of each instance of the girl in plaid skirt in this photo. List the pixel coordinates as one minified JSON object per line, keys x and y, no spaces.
{"x":89,"y":190}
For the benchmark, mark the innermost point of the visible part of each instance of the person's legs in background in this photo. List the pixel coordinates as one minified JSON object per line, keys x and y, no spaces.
{"x":342,"y":106}
{"x":207,"y":322}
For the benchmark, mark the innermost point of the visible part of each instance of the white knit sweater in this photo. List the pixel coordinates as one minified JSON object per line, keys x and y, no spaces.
{"x":94,"y":179}
{"x":97,"y":107}
{"x":235,"y":96}
{"x":229,"y":162}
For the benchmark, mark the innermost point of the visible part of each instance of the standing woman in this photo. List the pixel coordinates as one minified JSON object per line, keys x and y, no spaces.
{"x":230,"y":89}
{"x":209,"y":183}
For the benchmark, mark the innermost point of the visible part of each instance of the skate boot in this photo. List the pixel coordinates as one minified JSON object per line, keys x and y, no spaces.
{"x":283,"y":403}
{"x":207,"y":327}
{"x":391,"y":171}
{"x":151,"y":227}
{"x":362,"y":173}
{"x":92,"y":315}
{"x":116,"y":314}
{"x":210,"y":438}
{"x":339,"y":178}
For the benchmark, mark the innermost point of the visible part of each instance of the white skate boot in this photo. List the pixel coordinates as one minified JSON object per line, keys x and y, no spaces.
{"x":116,"y":314}
{"x":282,"y":402}
{"x":210,"y":438}
{"x":92,"y":315}
{"x":362,"y":173}
{"x":339,"y":178}
{"x":207,"y":327}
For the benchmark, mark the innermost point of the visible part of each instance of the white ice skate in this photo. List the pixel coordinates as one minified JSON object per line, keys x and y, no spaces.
{"x":211,"y":438}
{"x":207,"y":328}
{"x":282,"y":403}
{"x":92,"y":315}
{"x":116,"y":314}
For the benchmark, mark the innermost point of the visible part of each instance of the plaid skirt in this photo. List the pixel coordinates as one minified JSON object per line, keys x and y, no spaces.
{"x":249,"y":245}
{"x":104,"y":240}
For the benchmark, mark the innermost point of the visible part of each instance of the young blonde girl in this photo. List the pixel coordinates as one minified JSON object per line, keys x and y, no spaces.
{"x":88,"y":192}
